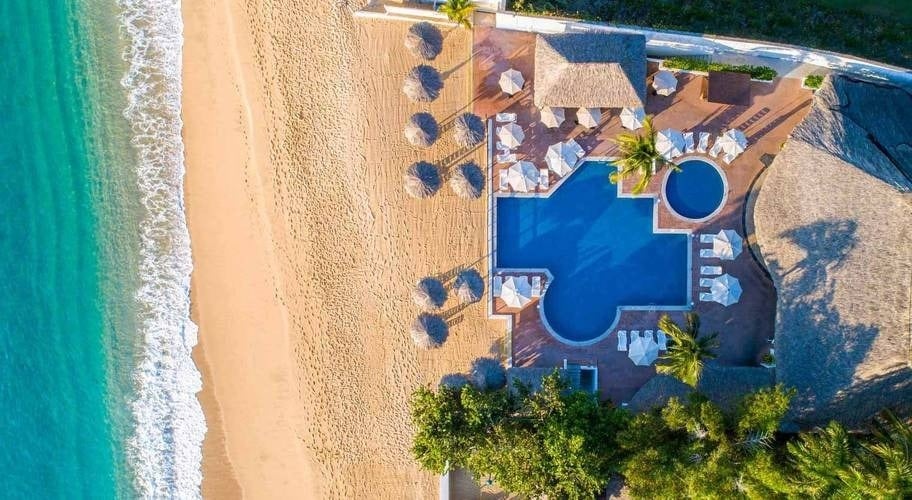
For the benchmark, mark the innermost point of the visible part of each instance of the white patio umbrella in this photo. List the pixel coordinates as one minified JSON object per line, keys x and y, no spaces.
{"x":561,"y":158}
{"x":516,"y":291}
{"x":727,"y":244}
{"x":552,"y":117}
{"x":733,"y":142}
{"x":522,"y":176}
{"x":511,"y":81}
{"x":664,"y":83}
{"x":726,"y":290}
{"x":643,"y":351}
{"x":670,"y":143}
{"x":632,"y":118}
{"x":589,"y":117}
{"x":511,"y":135}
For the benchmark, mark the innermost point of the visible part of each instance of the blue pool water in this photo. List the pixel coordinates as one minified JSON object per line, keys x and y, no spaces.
{"x":696,"y":191}
{"x":600,"y":249}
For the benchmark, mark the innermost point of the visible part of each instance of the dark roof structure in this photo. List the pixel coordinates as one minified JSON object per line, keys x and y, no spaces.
{"x":728,"y":87}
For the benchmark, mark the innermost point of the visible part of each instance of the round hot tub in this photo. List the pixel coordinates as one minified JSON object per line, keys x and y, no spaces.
{"x":697,"y":191}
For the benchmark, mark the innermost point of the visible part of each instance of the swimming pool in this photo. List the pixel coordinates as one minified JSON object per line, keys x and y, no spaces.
{"x":600,"y":249}
{"x":697,"y":191}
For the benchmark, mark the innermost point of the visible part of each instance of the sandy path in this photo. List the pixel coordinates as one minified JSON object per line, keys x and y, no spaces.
{"x":296,"y":208}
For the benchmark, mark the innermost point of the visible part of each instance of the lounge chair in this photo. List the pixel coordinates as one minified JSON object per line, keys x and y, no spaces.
{"x":648,"y":335}
{"x":503,"y":147}
{"x":496,"y":286}
{"x":662,"y":340}
{"x":689,"y":142}
{"x":544,"y":180}
{"x":505,"y":158}
{"x":704,"y":142}
{"x":706,"y":297}
{"x":536,"y":286}
{"x":504,"y":185}
{"x":707,"y":238}
{"x":505,"y":117}
{"x":710,"y":270}
{"x":707,"y":282}
{"x":622,"y":340}
{"x":707,"y":253}
{"x":728,"y":158}
{"x":634,"y":334}
{"x":717,"y":147}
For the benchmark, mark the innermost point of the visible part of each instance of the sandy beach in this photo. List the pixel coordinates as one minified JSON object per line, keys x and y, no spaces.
{"x":306,"y":247}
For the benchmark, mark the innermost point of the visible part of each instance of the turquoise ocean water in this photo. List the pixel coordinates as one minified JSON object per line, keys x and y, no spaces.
{"x":97,"y":389}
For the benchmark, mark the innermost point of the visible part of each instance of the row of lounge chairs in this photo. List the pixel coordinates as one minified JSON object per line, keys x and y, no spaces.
{"x":702,"y":146}
{"x":660,"y":338}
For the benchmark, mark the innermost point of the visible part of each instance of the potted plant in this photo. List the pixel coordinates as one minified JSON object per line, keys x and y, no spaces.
{"x":768,"y":360}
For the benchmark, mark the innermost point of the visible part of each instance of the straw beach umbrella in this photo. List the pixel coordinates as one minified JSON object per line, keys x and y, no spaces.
{"x":468,"y":130}
{"x":455,"y":381}
{"x":588,"y":117}
{"x":424,"y":40}
{"x":422,"y":84}
{"x":469,"y":286}
{"x":468,"y":181}
{"x":511,"y":135}
{"x":632,"y":118}
{"x":511,"y":81}
{"x":429,"y":294}
{"x":421,"y":180}
{"x":522,"y":176}
{"x":664,"y":83}
{"x":488,"y":374}
{"x":429,"y":331}
{"x":421,"y":130}
{"x":552,"y":117}
{"x":670,"y":143}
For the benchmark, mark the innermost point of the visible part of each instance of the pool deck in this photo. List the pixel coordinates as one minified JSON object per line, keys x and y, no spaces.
{"x":744,"y":328}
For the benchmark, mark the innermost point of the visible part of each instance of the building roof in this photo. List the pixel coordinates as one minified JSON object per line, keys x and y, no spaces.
{"x":833,"y":222}
{"x":728,"y":87}
{"x":591,"y":70}
{"x":723,"y":385}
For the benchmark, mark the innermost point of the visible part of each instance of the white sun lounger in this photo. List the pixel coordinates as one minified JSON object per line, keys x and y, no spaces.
{"x":544,"y":180}
{"x":634,"y":334}
{"x":504,"y":185}
{"x":704,"y":142}
{"x":505,"y":117}
{"x":505,"y":158}
{"x":706,"y":297}
{"x":622,"y":340}
{"x":648,"y":335}
{"x":707,"y":238}
{"x":707,"y":253}
{"x":536,"y":286}
{"x":503,"y":147}
{"x":728,"y":158}
{"x":662,"y":340}
{"x":689,"y":142}
{"x":717,"y":147}
{"x":707,"y":282}
{"x":496,"y":286}
{"x":710,"y":270}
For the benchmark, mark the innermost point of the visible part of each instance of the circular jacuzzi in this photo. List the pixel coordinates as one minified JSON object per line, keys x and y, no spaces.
{"x":697,"y":191}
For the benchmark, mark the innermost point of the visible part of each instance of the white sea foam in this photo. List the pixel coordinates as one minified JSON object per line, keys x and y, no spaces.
{"x":165,"y":450}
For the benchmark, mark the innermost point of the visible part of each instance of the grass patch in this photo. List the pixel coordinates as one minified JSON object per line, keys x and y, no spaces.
{"x":879,"y":35}
{"x":813,"y":81}
{"x":687,"y":63}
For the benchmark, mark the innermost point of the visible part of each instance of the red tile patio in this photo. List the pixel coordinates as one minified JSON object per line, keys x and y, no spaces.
{"x":774,"y":111}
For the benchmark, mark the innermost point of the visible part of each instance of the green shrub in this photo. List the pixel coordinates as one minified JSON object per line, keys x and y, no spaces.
{"x":689,"y":63}
{"x":813,"y":81}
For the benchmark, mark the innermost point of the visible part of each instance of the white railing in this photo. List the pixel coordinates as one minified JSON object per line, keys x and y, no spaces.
{"x":665,"y":44}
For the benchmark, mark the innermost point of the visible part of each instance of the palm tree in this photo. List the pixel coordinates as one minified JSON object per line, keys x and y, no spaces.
{"x":638,"y":156}
{"x":819,"y":458}
{"x":459,"y":11}
{"x":883,"y":468}
{"x":685,"y":355}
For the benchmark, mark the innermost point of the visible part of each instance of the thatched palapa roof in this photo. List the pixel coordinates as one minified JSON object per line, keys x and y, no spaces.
{"x":469,"y":286}
{"x":429,"y":294}
{"x":429,"y":331}
{"x":422,"y":84}
{"x":468,"y":129}
{"x":424,"y":40}
{"x":421,"y":180}
{"x":421,"y":130}
{"x":834,"y":224}
{"x":468,"y":180}
{"x":590,"y":70}
{"x":488,"y":373}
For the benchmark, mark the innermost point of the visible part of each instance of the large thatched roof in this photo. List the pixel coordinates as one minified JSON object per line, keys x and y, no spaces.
{"x":424,"y":40}
{"x":591,"y":70}
{"x":834,"y":224}
{"x":488,"y":373}
{"x":429,"y":294}
{"x":469,"y":286}
{"x":724,"y":385}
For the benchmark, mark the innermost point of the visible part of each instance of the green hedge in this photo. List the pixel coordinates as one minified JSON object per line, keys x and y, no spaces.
{"x":813,"y":81}
{"x":756,"y":72}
